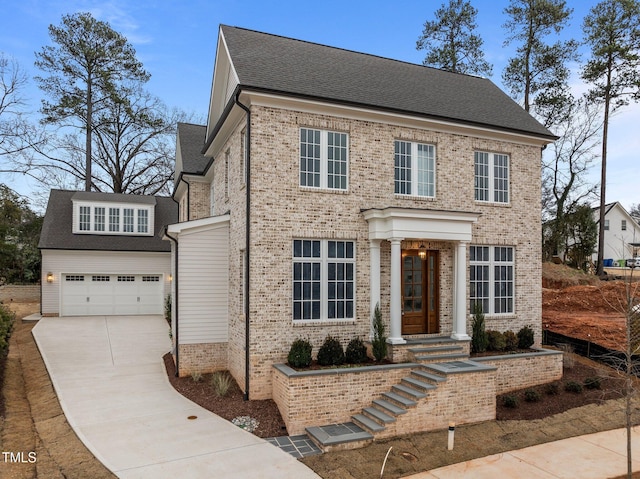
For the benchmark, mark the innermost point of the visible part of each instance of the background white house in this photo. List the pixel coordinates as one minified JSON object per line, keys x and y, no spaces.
{"x":621,"y":233}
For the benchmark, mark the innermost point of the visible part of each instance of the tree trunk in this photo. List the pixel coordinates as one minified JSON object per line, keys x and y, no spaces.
{"x":603,"y":184}
{"x":89,"y":122}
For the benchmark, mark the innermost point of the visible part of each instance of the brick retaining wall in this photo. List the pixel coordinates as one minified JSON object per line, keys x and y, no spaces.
{"x":518,"y":371}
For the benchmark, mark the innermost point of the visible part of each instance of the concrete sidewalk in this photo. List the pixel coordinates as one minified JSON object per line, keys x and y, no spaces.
{"x":595,"y":456}
{"x":110,"y":379}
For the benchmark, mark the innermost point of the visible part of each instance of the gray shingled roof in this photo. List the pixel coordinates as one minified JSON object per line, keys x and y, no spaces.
{"x":57,"y":226}
{"x":288,"y":66}
{"x":192,"y":139}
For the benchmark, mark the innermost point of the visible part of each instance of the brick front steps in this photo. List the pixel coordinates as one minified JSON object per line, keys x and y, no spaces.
{"x":417,"y":391}
{"x":418,"y":395}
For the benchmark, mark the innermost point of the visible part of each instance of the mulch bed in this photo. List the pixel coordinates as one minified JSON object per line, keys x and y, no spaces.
{"x":549,"y":404}
{"x":231,"y":405}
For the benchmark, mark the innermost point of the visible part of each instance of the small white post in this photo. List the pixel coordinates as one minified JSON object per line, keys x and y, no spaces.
{"x":452,"y":430}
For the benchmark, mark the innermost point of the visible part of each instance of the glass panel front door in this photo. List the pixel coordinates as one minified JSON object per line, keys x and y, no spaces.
{"x":419,"y":293}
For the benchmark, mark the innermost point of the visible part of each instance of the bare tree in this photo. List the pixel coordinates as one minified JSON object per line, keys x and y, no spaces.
{"x":133,"y":145}
{"x":564,"y":171}
{"x":13,"y":126}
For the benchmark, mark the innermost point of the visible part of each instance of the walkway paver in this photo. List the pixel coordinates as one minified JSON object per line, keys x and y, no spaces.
{"x":110,"y":379}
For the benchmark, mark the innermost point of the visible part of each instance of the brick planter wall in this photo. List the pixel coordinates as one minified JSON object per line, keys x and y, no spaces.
{"x":517,"y":371}
{"x":20,"y":293}
{"x":316,"y":398}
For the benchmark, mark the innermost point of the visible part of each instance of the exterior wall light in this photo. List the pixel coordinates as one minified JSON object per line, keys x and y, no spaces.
{"x":49,"y":277}
{"x":422,"y":251}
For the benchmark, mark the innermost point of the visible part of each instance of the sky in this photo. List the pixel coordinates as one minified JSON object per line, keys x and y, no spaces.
{"x":176,"y":41}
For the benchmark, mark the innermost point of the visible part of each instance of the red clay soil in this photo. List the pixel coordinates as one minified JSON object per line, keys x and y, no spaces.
{"x":593,"y":313}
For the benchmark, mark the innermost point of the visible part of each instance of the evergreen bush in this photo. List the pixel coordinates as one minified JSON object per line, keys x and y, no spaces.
{"x":379,"y":343}
{"x":356,"y":352}
{"x":479,"y":338}
{"x":331,"y":353}
{"x":300,"y":354}
{"x":511,"y":341}
{"x":496,"y":341}
{"x":525,"y":338}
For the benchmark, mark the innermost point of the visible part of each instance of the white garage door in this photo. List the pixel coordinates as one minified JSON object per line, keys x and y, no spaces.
{"x":111,"y":294}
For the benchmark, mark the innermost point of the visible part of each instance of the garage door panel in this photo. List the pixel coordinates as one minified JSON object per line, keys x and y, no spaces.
{"x":102,"y":294}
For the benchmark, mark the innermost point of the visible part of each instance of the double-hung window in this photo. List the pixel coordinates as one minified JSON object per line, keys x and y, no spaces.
{"x":323,"y":159}
{"x":414,"y":169}
{"x":491,"y":176}
{"x":492,"y":280}
{"x":323,"y":279}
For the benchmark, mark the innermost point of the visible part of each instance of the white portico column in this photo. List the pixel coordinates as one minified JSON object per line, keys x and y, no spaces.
{"x":460,"y":289}
{"x":374,"y":278}
{"x":395,"y":333}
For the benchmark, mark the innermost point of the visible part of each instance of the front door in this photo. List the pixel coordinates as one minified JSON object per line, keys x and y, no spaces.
{"x":420,"y":293}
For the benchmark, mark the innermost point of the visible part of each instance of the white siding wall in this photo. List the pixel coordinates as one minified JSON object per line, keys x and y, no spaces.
{"x":203,"y":284}
{"x":108,"y":262}
{"x":616,"y":241}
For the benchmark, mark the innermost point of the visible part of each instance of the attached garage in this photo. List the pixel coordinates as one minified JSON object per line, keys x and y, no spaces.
{"x":103,"y":254}
{"x":111,"y":294}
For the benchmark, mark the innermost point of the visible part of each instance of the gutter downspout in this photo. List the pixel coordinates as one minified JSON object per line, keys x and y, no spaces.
{"x":247,"y":245}
{"x":175,"y":302}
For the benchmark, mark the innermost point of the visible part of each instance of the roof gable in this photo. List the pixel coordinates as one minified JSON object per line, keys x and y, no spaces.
{"x":281,"y":65}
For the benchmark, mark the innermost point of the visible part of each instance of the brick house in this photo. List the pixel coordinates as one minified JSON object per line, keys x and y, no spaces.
{"x":328,"y":181}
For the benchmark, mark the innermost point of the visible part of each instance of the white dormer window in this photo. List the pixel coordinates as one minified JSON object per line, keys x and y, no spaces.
{"x":113,"y":218}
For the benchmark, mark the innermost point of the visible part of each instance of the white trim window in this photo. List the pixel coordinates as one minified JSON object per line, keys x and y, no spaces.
{"x":98,"y":218}
{"x":324,"y":159}
{"x":414,"y":169}
{"x":85,"y":218}
{"x":323,"y":280}
{"x":492,"y":281}
{"x":143,"y":221}
{"x":127,"y":217}
{"x":114,"y":219}
{"x":491,"y":177}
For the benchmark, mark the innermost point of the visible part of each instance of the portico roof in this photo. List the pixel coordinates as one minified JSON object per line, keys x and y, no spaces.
{"x":414,"y":223}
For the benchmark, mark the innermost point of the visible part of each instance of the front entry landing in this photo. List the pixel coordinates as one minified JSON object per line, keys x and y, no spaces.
{"x":420,"y":286}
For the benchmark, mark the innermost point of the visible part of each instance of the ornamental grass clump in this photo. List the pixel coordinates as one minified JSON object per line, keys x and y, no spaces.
{"x":331,"y":353}
{"x":300,"y":354}
{"x":220,"y":383}
{"x":356,"y":352}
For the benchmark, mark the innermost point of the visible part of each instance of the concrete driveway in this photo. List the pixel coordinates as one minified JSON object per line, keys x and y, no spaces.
{"x":109,"y":376}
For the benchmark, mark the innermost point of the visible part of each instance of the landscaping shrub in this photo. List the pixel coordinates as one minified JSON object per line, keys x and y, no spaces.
{"x":379,"y":343}
{"x":331,"y":352}
{"x":300,"y":354}
{"x":525,"y":338}
{"x":510,"y":341}
{"x":167,"y":309}
{"x":531,"y":395}
{"x":356,"y":352}
{"x":510,"y":401}
{"x":592,"y":383}
{"x":496,"y":341}
{"x":552,"y":389}
{"x":6,"y":325}
{"x":196,"y":376}
{"x":573,"y":387}
{"x":479,"y":338}
{"x":221,"y":382}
